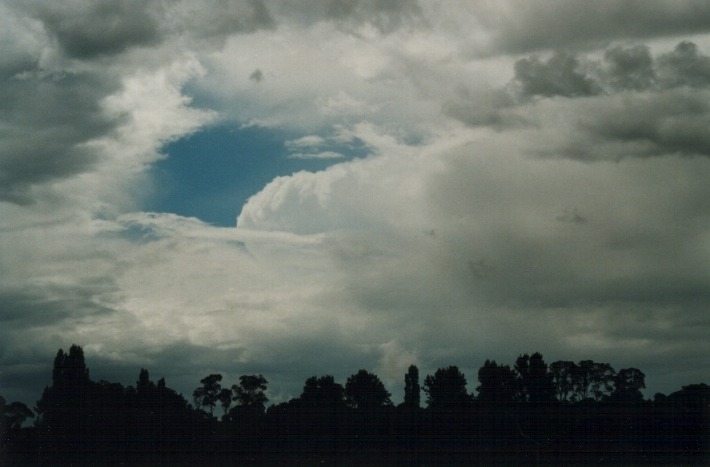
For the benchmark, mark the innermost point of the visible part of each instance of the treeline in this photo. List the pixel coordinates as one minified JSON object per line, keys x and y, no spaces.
{"x":532,"y":412}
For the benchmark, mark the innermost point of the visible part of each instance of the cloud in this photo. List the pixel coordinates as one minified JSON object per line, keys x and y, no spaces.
{"x":670,"y":122}
{"x":518,"y":26}
{"x":355,"y":15}
{"x":315,"y":147}
{"x":217,"y":20}
{"x":316,"y":155}
{"x":623,"y":69}
{"x":483,"y":107}
{"x":630,"y":68}
{"x":87,"y":29}
{"x":685,"y":66}
{"x":558,"y":76}
{"x":56,"y":113}
{"x":306,"y":142}
{"x":622,"y":126}
{"x":46,"y":120}
{"x":630,"y":104}
{"x":507,"y":249}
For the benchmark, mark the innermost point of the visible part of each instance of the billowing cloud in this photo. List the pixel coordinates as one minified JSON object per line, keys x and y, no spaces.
{"x":685,"y":66}
{"x":558,"y":76}
{"x":630,"y":68}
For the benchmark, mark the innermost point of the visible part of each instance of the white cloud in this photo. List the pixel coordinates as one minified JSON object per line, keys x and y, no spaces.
{"x":306,"y":141}
{"x":316,"y":155}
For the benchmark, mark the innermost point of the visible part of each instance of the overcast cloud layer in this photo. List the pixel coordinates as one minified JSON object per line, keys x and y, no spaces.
{"x":537,"y":180}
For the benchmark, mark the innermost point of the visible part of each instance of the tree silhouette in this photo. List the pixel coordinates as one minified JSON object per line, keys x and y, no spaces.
{"x":412,"y":391}
{"x":563,"y":374}
{"x":208,"y":394}
{"x":497,"y":383}
{"x":82,"y":422}
{"x":628,"y":385}
{"x":593,"y":379}
{"x":323,"y":392}
{"x":64,"y":407}
{"x":225,"y":400}
{"x":534,"y":382}
{"x":70,"y":368}
{"x":144,"y":385}
{"x":251,"y":392}
{"x":14,"y":414}
{"x":364,"y":390}
{"x":446,"y":388}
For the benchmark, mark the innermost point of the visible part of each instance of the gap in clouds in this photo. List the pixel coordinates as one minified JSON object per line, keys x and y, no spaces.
{"x":212,"y":173}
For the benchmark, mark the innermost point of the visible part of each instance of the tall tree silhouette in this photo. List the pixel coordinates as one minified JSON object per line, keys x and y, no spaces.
{"x":562,"y":374}
{"x":534,"y":382}
{"x":412,"y":390}
{"x":364,"y":390}
{"x":63,"y":409}
{"x":225,"y":400}
{"x":208,"y":394}
{"x":250,"y":393}
{"x":446,"y":388}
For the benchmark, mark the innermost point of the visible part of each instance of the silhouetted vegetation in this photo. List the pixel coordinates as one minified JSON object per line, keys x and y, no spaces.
{"x":532,"y":413}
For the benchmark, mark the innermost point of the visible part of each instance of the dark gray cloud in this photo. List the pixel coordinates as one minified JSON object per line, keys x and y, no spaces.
{"x":630,"y":68}
{"x":558,"y":76}
{"x":633,"y":68}
{"x":685,"y":66}
{"x":48,"y":306}
{"x":44,"y":120}
{"x":623,"y":69}
{"x":636,"y":105}
{"x":521,"y":26}
{"x":88,"y":29}
{"x":651,"y":106}
{"x":670,"y":122}
{"x":95,"y":29}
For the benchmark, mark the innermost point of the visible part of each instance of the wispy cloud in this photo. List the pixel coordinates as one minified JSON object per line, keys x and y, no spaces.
{"x":316,"y":155}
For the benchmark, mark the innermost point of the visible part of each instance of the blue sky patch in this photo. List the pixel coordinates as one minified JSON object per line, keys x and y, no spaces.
{"x":212,"y":173}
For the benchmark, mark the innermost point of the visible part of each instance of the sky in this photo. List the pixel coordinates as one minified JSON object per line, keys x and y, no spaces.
{"x":317,"y":187}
